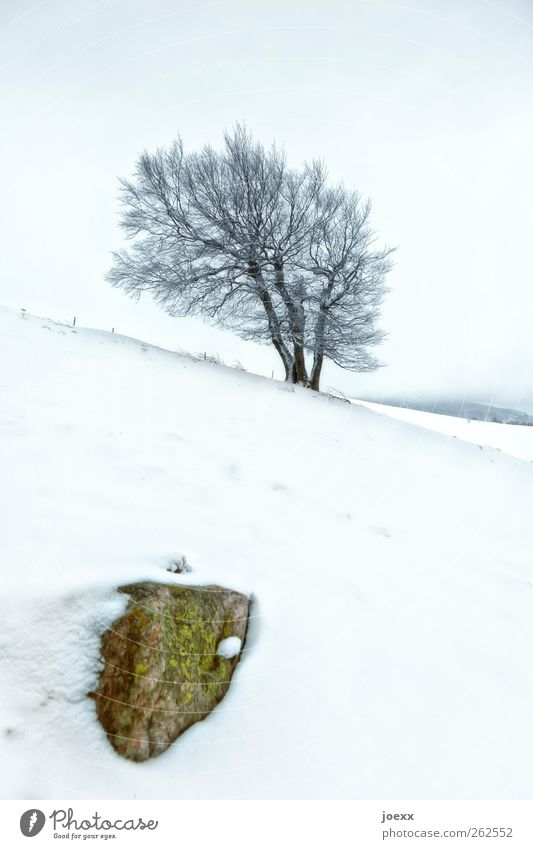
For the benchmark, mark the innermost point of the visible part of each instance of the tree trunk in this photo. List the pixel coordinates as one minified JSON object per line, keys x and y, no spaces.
{"x":273,"y":322}
{"x":296,"y":325}
{"x":320,"y":333}
{"x":316,"y":371}
{"x":299,"y":368}
{"x":287,"y":365}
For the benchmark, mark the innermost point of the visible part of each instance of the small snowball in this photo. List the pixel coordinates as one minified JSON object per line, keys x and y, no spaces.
{"x":229,"y":647}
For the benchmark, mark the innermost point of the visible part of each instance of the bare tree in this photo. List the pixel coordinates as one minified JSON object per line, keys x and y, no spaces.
{"x":239,"y":237}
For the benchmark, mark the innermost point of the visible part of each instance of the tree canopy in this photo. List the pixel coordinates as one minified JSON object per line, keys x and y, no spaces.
{"x":273,"y":252}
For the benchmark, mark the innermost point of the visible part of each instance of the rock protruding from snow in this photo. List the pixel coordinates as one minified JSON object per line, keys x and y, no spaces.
{"x":163,"y":670}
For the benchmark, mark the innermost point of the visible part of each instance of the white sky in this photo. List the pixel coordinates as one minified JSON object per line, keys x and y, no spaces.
{"x":425,"y":105}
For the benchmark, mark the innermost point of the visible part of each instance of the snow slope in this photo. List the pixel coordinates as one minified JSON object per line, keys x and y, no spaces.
{"x":390,"y":651}
{"x":514,"y":439}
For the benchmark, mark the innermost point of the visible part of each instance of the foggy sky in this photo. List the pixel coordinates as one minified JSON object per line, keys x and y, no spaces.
{"x":423,"y":105}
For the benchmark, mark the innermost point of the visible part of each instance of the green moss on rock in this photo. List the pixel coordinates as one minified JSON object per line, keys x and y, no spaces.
{"x":161,"y":671}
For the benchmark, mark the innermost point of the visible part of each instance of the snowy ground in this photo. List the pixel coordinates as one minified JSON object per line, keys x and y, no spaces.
{"x":390,"y":651}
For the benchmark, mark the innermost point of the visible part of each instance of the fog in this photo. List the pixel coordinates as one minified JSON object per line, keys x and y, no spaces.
{"x":424,"y":106}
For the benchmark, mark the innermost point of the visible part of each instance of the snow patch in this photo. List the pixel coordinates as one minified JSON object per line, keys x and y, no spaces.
{"x":230,"y":647}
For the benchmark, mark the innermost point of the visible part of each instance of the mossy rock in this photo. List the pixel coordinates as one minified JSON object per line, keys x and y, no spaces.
{"x":161,"y":669}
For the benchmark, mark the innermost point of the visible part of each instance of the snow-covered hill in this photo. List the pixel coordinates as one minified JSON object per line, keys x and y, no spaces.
{"x":463,"y":409}
{"x":390,"y":651}
{"x":514,"y":439}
